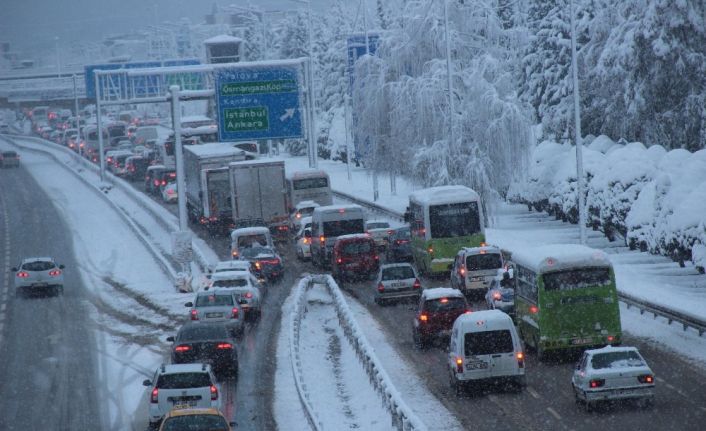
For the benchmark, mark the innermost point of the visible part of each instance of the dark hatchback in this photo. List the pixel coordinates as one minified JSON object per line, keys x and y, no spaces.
{"x":266,"y":263}
{"x":437,"y":311}
{"x":399,"y":247}
{"x":210,"y":343}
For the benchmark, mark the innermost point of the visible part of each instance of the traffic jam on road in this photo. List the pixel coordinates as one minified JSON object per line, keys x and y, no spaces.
{"x":479,"y":307}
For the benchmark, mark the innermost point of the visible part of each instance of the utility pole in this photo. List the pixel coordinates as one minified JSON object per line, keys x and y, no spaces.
{"x":376,"y":190}
{"x":448,"y":73}
{"x":78,"y":118}
{"x":577,"y":130}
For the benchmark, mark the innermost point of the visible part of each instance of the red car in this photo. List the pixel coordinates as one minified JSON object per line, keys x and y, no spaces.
{"x":438,"y":310}
{"x":354,"y":256}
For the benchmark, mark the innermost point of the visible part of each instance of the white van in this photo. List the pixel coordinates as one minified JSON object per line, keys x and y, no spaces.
{"x":475,"y":268}
{"x":328,"y":223}
{"x":247,"y":237}
{"x":485,"y":347}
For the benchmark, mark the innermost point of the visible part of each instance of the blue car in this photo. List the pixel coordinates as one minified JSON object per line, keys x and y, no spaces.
{"x":399,"y":247}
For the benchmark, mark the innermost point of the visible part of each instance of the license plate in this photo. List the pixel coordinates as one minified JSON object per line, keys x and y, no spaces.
{"x":476,"y":278}
{"x":214,"y":314}
{"x":582,"y":341}
{"x":396,"y":284}
{"x":184,"y":404}
{"x":476,"y":365}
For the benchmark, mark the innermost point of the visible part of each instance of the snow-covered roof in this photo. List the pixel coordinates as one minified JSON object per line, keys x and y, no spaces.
{"x":216,"y":149}
{"x":234,"y":265}
{"x":353,"y":236}
{"x":38,"y":259}
{"x":306,"y":204}
{"x":484,"y":319}
{"x":397,"y":265}
{"x":483,"y":249}
{"x":338,"y":208}
{"x":308,"y":173}
{"x":183,"y":368}
{"x":222,"y":38}
{"x":608,"y":348}
{"x":231,"y":275}
{"x":444,"y":195}
{"x":258,"y":162}
{"x":441,"y":292}
{"x":555,"y":257}
{"x":243,"y":231}
{"x":195,"y":118}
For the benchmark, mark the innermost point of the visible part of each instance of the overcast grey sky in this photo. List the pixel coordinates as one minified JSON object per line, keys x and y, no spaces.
{"x":29,"y":24}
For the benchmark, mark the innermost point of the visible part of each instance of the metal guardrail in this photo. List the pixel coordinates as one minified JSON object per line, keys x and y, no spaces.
{"x":686,"y":320}
{"x":371,"y":206}
{"x":402,"y":417}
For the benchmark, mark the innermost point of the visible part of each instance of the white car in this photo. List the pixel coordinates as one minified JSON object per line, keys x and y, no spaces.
{"x":380,"y":230}
{"x":301,"y":211}
{"x":303,"y":243}
{"x":169,"y":193}
{"x":39,"y":274}
{"x":241,"y":283}
{"x":181,"y":386}
{"x":397,"y":281}
{"x":233,"y":265}
{"x":612,"y":373}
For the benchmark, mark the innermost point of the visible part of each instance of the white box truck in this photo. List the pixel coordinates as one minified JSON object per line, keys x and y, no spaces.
{"x":259,"y":195}
{"x":207,"y":183}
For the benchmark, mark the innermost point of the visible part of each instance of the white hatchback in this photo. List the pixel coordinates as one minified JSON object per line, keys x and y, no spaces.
{"x":612,"y":373}
{"x":40,"y":275}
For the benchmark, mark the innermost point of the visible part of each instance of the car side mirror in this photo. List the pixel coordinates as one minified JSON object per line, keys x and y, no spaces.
{"x":170,"y":339}
{"x":61,"y":266}
{"x":13,"y":269}
{"x":307,"y":234}
{"x":147,"y":382}
{"x":242,"y":301}
{"x":189,"y":304}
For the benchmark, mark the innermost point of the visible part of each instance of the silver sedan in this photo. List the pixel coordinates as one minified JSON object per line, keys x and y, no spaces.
{"x":217,"y":306}
{"x":39,"y":275}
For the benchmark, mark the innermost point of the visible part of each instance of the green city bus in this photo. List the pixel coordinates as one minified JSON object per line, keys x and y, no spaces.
{"x":565,"y":298}
{"x":443,"y":220}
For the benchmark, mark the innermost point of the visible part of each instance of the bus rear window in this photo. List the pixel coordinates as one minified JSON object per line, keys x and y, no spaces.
{"x":452,"y":220}
{"x":479,"y":262}
{"x":343,"y":227}
{"x":488,"y":342}
{"x":573,"y":279}
{"x":310,"y":183}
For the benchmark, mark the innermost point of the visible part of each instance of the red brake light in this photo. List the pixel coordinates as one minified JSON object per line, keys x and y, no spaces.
{"x":534,"y":309}
{"x":214,"y":393}
{"x":646,"y":378}
{"x":417,"y":284}
{"x":164,"y":182}
{"x":339,"y":260}
{"x":322,"y":238}
{"x":520,"y":359}
{"x":156,"y":182}
{"x":306,"y":240}
{"x":298,"y":215}
{"x":155,"y":395}
{"x":381,"y":287}
{"x":611,"y":338}
{"x":596,"y":383}
{"x":444,"y":300}
{"x":459,"y":365}
{"x":55,"y":272}
{"x":182,"y":348}
{"x":497,"y":296}
{"x":248,"y":294}
{"x":224,"y":346}
{"x":194,"y":315}
{"x":23,"y":274}
{"x":257,"y":265}
{"x":430,"y":249}
{"x":462,"y":270}
{"x":234,"y":313}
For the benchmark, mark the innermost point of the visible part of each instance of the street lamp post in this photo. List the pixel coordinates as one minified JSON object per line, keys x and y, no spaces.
{"x":58,"y":56}
{"x":577,"y":130}
{"x":448,"y":72}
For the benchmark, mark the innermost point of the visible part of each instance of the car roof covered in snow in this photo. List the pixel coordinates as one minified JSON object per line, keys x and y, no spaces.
{"x":444,"y":195}
{"x":354,"y":236}
{"x":37,"y":259}
{"x":396,"y":265}
{"x":556,"y":257}
{"x":231,"y":275}
{"x":222,"y":38}
{"x":338,"y":208}
{"x":441,"y":292}
{"x":232,"y":265}
{"x":308,"y":173}
{"x":608,"y":348}
{"x":481,"y":250}
{"x":254,"y":230}
{"x":185,"y":368}
{"x":306,"y":204}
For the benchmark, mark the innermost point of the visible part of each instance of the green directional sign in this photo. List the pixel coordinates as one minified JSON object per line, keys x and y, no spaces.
{"x":264,"y":87}
{"x":250,"y":119}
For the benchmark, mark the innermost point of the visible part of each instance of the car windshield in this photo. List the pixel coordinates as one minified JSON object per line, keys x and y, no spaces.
{"x":184,"y":380}
{"x":356,"y":247}
{"x":38,"y":266}
{"x":213,"y":300}
{"x":444,"y":304}
{"x":477,"y":262}
{"x":232,"y":282}
{"x":397,"y":273}
{"x":202,"y":332}
{"x":573,"y":279}
{"x":252,"y":240}
{"x":487,"y":342}
{"x":258,"y":253}
{"x":623,"y":359}
{"x":195,"y":423}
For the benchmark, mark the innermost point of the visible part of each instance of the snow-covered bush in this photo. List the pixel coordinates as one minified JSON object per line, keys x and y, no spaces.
{"x":544,"y":162}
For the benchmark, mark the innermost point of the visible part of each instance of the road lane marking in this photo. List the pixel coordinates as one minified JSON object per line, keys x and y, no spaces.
{"x":554,"y":413}
{"x":533,"y":392}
